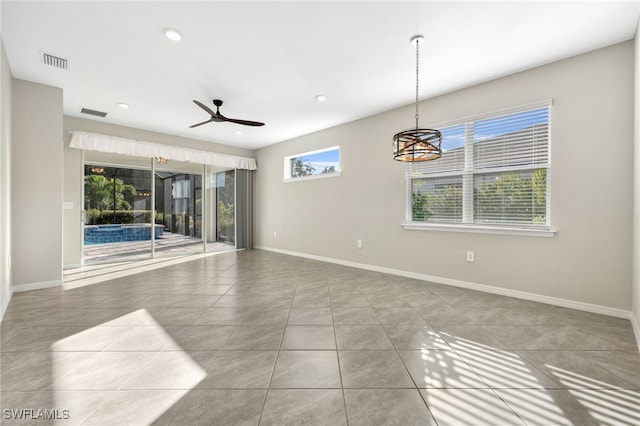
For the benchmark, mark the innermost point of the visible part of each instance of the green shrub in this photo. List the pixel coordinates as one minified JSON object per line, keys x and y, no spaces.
{"x":109,"y":217}
{"x":92,"y":217}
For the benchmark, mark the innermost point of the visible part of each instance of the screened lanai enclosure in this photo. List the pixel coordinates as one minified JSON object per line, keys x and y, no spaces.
{"x":136,"y":212}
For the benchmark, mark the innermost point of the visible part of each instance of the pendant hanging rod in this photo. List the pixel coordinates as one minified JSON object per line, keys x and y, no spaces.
{"x":416,"y":40}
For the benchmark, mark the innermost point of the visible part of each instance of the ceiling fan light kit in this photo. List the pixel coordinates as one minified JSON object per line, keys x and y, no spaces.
{"x":417,"y":144}
{"x":219,"y":118}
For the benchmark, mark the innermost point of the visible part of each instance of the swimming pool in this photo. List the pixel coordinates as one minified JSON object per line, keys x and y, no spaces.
{"x":103,"y":234}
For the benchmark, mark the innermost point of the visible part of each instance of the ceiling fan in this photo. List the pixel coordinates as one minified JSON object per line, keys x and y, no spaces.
{"x":219,"y":118}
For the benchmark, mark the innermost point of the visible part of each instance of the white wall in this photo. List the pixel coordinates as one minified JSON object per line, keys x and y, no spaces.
{"x":73,"y":172}
{"x":36,"y":186}
{"x":72,"y":197}
{"x":589,"y":259}
{"x":636,"y":194}
{"x":5,"y":181}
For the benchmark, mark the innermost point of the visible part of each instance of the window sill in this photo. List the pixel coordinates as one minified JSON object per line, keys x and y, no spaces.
{"x":311,"y":177}
{"x":480,"y":229}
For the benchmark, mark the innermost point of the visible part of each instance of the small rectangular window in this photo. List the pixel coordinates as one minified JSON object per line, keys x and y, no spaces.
{"x":313,"y":164}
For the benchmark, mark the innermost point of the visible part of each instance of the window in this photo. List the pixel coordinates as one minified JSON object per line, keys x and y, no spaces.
{"x":494,"y":172}
{"x":320,"y":163}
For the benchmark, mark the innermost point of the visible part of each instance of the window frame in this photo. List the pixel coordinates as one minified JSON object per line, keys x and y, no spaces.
{"x":287,"y":165}
{"x":468,"y":173}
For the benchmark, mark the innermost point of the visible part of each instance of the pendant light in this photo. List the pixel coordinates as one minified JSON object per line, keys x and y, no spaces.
{"x":417,"y":144}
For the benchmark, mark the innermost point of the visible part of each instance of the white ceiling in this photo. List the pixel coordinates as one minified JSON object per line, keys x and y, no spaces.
{"x":268,"y":60}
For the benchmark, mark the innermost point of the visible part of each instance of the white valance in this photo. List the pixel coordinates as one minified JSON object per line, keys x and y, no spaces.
{"x":135,"y":148}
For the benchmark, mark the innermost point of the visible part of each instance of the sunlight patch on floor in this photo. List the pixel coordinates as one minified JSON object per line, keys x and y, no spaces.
{"x":621,"y":410}
{"x":95,"y":274}
{"x":144,"y":368}
{"x":572,"y":380}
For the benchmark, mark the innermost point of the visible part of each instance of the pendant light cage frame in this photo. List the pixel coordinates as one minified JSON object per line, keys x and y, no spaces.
{"x":417,"y":144}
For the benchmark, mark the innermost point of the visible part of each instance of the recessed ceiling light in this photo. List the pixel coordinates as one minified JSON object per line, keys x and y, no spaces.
{"x":123,"y":105}
{"x":238,"y":132}
{"x":173,"y":34}
{"x":321,"y":98}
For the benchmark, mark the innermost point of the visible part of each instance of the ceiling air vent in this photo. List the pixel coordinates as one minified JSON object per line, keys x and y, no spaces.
{"x":54,"y":61}
{"x":93,"y":112}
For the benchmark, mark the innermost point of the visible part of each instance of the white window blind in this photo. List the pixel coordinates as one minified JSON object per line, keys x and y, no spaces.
{"x":493,"y":170}
{"x":520,"y":139}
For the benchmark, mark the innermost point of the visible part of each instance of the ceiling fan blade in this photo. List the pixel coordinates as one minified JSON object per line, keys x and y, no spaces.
{"x":244,"y":122}
{"x":217,"y":117}
{"x":204,"y":107}
{"x":200,"y":124}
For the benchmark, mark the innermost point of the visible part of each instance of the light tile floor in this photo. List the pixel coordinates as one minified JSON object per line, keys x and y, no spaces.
{"x":254,"y":337}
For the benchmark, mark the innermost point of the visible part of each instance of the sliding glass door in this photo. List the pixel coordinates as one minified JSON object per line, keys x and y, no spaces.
{"x":138,"y":208}
{"x":220,"y":210}
{"x":225,"y":207}
{"x":117,"y":218}
{"x":178,"y":205}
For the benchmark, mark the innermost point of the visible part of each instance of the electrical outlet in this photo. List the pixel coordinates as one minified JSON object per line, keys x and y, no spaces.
{"x":359,"y":244}
{"x":275,"y":234}
{"x":471,"y":257}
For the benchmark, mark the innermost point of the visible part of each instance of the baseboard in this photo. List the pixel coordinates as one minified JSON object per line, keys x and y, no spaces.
{"x":36,"y":286}
{"x":636,"y":329}
{"x":5,"y":305}
{"x":533,"y":297}
{"x":71,"y":266}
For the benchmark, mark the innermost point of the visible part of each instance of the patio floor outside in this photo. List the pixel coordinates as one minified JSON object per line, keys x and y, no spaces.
{"x":168,"y":245}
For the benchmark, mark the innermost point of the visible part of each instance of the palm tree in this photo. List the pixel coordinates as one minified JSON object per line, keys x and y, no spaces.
{"x":301,"y":167}
{"x":106,"y":194}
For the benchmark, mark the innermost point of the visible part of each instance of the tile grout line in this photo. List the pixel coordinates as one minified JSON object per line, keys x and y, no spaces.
{"x":275,"y":363}
{"x":335,"y":338}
